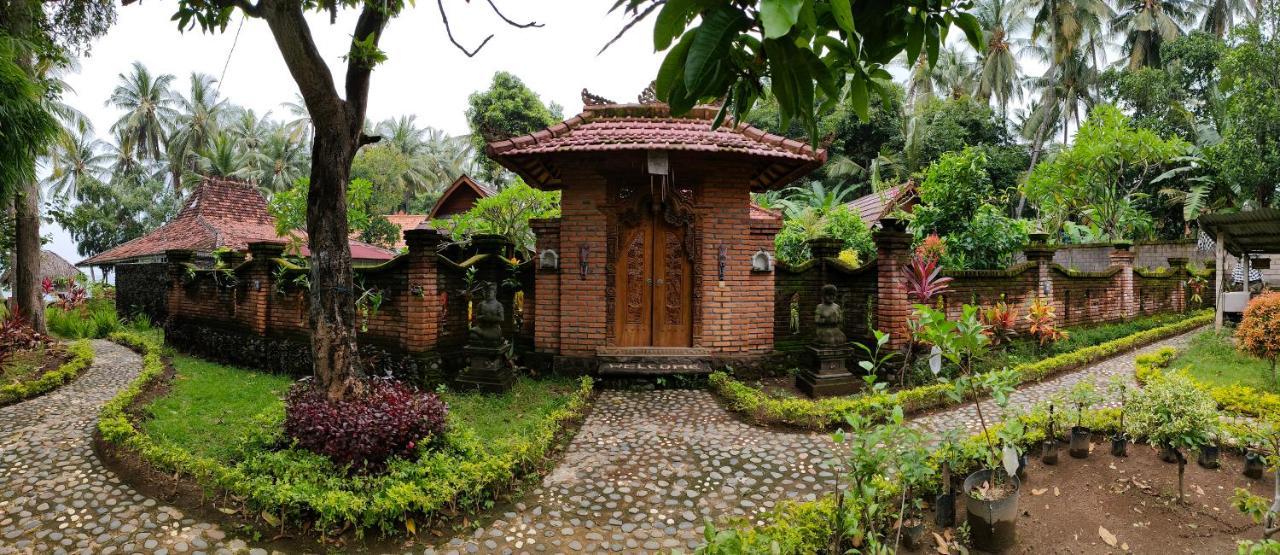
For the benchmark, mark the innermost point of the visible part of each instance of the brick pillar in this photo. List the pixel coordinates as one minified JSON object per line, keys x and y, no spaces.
{"x":1122,"y":255}
{"x":546,"y":309}
{"x":422,"y":313}
{"x":823,"y":248}
{"x":1039,"y":252}
{"x":260,"y":281}
{"x":1178,"y":267}
{"x":178,"y":261}
{"x":893,"y":251}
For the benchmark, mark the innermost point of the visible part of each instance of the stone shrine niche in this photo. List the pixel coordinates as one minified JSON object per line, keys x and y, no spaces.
{"x":549,"y":259}
{"x":762,"y":262}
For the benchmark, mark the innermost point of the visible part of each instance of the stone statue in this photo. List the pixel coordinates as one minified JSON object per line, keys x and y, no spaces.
{"x":827,"y":319}
{"x":487,"y":331}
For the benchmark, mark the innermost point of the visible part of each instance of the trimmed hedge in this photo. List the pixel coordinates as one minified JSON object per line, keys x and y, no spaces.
{"x":1238,"y":399}
{"x":822,"y":414}
{"x":296,"y":486}
{"x":81,"y":358}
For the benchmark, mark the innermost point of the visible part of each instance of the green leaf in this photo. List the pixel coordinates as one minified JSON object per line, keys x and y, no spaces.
{"x":672,"y":68}
{"x":779,"y":16}
{"x":671,"y":22}
{"x":932,"y":43}
{"x":710,"y":47}
{"x":858,"y":97}
{"x":915,"y":38}
{"x":972,"y":29}
{"x":843,"y":13}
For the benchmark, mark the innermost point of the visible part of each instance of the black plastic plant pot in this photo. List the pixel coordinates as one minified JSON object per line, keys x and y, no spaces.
{"x":1168,"y":455}
{"x":1022,"y":466}
{"x":913,"y":534}
{"x":1120,"y":445}
{"x":1079,"y":447}
{"x":1253,"y":465}
{"x":992,"y":524}
{"x":946,"y":510}
{"x":1049,"y":452}
{"x":1208,"y":456}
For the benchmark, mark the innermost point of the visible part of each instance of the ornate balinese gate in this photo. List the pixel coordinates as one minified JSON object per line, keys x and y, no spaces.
{"x":654,"y":276}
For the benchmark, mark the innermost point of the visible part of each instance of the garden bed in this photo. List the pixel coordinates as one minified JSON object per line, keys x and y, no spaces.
{"x":829,"y":413}
{"x":220,"y":428}
{"x":38,"y":371}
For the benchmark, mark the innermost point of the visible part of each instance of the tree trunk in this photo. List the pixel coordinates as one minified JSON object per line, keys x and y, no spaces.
{"x":333,"y":318}
{"x":26,"y":271}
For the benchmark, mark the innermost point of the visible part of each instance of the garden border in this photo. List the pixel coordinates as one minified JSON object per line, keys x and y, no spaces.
{"x":467,"y":482}
{"x":81,"y":359}
{"x":827,"y":414}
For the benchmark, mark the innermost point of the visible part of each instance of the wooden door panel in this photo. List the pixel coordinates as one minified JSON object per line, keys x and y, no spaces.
{"x":633,"y":290}
{"x":673,"y":287}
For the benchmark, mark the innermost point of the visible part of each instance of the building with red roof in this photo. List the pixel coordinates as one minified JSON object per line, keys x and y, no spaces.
{"x":659,"y":261}
{"x":219,"y":213}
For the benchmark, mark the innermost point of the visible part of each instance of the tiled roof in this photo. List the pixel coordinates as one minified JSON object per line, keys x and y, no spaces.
{"x":464,"y":182}
{"x":760,"y":213}
{"x":645,"y":127}
{"x":873,"y":207}
{"x":219,"y":213}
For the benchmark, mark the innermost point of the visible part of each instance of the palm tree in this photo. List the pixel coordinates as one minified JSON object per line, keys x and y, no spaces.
{"x":1220,"y":15}
{"x":1147,"y":24}
{"x":404,"y":134}
{"x":998,"y":72}
{"x":954,"y":73}
{"x":75,"y":158}
{"x":281,"y":161}
{"x":148,"y":106}
{"x":1060,"y":28}
{"x":198,"y":120}
{"x":815,"y":196}
{"x":1066,"y":92}
{"x":300,"y":125}
{"x":222,"y":159}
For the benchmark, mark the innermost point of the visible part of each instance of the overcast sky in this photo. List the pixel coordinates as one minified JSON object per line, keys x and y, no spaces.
{"x":425,"y":75}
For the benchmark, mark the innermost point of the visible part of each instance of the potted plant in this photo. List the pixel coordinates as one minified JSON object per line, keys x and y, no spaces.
{"x":1262,"y":512}
{"x":992,"y":504}
{"x":1171,"y":411}
{"x":949,"y":455}
{"x":880,"y":457}
{"x":1209,"y":452}
{"x":1120,"y":388}
{"x":914,"y":473}
{"x":1254,"y":464}
{"x":1049,"y":447}
{"x":1083,"y":395}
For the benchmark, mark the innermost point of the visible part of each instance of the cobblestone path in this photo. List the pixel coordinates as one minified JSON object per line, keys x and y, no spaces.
{"x":644,"y":472}
{"x":55,"y":495}
{"x":1028,"y":396}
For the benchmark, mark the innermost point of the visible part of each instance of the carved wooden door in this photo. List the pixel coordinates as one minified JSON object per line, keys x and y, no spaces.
{"x":653,"y":285}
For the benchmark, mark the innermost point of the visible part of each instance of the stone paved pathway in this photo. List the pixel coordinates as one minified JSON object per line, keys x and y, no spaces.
{"x":641,"y":475}
{"x":1026,"y":397}
{"x":646,"y":469}
{"x":55,"y":495}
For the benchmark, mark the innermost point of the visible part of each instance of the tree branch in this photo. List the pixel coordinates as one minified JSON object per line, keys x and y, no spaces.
{"x":373,"y":18}
{"x":634,"y":20}
{"x":307,"y":67}
{"x":508,"y":20}
{"x":449,"y":31}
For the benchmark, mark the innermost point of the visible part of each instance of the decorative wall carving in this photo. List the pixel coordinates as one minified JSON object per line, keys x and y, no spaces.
{"x":673,"y":273}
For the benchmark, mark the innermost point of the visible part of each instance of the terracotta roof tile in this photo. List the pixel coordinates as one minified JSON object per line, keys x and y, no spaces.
{"x":871,"y":208}
{"x":219,"y":213}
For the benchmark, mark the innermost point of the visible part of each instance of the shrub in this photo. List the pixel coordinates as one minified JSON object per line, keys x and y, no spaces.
{"x":81,"y":357}
{"x":790,"y":243}
{"x":92,"y":320}
{"x":1172,"y":412}
{"x":16,"y":335}
{"x":388,"y":420}
{"x":1259,"y":331}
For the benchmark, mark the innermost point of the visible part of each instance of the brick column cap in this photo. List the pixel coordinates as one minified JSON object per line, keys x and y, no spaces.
{"x":265,"y":250}
{"x":825,"y":247}
{"x":1177,"y":261}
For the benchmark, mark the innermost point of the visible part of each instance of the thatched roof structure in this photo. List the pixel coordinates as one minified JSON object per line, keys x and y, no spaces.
{"x":51,"y":266}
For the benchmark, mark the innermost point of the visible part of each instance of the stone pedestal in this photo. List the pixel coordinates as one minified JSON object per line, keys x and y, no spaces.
{"x":831,"y":377}
{"x":487,"y":369}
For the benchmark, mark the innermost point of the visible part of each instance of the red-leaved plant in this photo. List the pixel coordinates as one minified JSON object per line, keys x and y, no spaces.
{"x":1043,"y":327}
{"x":922,"y":280}
{"x":389,"y":420}
{"x":932,"y":248}
{"x":16,"y":334}
{"x":1000,"y":320}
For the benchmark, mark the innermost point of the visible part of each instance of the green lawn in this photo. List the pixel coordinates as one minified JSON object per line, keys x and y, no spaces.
{"x":1213,"y":359}
{"x":214,"y":410}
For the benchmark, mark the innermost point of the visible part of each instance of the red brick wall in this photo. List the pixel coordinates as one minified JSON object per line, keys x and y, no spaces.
{"x":736,"y":313}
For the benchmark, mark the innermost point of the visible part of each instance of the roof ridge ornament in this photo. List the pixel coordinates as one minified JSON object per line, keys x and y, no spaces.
{"x":589,"y":99}
{"x":650,"y":94}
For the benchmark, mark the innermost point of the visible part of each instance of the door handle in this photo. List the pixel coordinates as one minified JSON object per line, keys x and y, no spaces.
{"x":660,"y":283}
